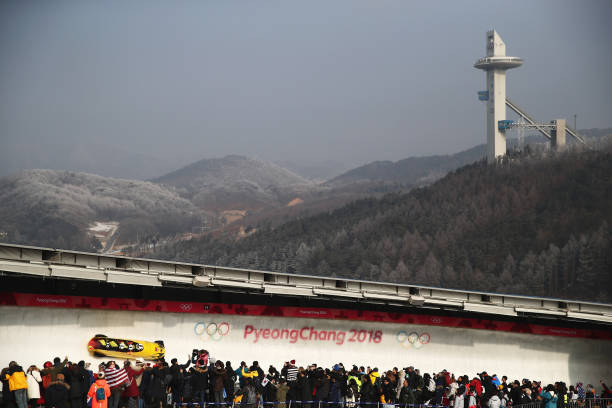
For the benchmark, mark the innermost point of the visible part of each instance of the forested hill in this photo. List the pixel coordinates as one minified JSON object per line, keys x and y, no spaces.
{"x":410,"y":171}
{"x":537,"y":226}
{"x":55,"y":208}
{"x":235,"y":182}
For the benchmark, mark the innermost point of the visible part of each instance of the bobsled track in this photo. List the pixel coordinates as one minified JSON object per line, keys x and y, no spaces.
{"x":53,"y":302}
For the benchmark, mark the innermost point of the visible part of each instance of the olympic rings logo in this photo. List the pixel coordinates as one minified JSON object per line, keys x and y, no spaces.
{"x":213,"y":331}
{"x":185,"y":307}
{"x":413,"y":339}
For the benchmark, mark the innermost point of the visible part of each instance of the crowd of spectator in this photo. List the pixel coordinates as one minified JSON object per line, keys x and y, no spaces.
{"x":203,"y":380}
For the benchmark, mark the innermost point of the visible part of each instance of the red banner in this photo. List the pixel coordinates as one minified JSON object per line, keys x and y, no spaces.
{"x":168,"y":306}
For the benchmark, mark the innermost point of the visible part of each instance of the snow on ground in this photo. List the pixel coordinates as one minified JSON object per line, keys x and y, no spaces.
{"x":103,"y":231}
{"x":99,"y":226}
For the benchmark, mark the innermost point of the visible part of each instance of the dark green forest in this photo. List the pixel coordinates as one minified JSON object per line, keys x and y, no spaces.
{"x":534,"y":224}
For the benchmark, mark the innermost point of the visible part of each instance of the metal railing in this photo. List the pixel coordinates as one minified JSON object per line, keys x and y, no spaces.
{"x":311,"y":404}
{"x":587,"y":403}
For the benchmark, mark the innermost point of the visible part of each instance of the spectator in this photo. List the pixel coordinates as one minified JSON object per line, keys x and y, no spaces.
{"x":99,"y":392}
{"x":606,"y":392}
{"x":590,"y":392}
{"x":281,"y":392}
{"x":462,"y":392}
{"x":549,"y":397}
{"x":335,"y":392}
{"x":154,"y":392}
{"x":238,"y":371}
{"x":177,"y":381}
{"x":387,"y":391}
{"x":573,"y":395}
{"x":34,"y":385}
{"x":17,"y":384}
{"x":321,"y":385}
{"x":250,"y":397}
{"x":56,"y":395}
{"x":219,"y":379}
{"x":78,"y":387}
{"x":369,"y":393}
{"x":406,"y":396}
{"x":54,"y":369}
{"x":130,"y":394}
{"x":494,"y":401}
{"x":199,"y":383}
{"x":580,"y":391}
{"x":526,"y":396}
{"x":188,"y":386}
{"x":230,"y":380}
{"x":330,"y":387}
{"x":270,"y":386}
{"x":116,"y":379}
{"x":303,"y":389}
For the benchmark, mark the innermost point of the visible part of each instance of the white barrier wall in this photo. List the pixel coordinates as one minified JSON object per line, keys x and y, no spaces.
{"x":32,"y":335}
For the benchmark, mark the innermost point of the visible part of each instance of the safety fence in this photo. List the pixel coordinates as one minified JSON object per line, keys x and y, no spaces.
{"x":587,"y":403}
{"x":311,"y":404}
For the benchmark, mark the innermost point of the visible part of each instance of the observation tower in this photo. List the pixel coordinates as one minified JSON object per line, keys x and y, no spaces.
{"x":495,"y":64}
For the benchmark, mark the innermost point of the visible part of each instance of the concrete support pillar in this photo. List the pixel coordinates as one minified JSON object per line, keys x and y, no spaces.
{"x":558,"y":134}
{"x":496,"y":111}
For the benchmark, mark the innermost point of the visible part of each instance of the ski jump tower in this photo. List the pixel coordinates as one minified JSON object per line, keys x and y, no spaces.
{"x":495,"y":64}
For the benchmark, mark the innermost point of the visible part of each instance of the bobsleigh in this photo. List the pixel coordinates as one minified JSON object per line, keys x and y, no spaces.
{"x":101,"y":345}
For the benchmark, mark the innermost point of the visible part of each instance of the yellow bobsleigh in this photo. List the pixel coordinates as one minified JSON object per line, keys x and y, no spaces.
{"x":101,"y":345}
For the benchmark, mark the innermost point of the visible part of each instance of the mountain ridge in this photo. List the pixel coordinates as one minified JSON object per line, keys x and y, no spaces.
{"x":411,"y":170}
{"x":235,"y":182}
{"x":55,"y":208}
{"x":534,"y":224}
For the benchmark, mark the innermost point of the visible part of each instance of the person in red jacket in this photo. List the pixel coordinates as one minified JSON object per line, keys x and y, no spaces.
{"x":606,"y":392}
{"x":131,"y":392}
{"x":99,"y":392}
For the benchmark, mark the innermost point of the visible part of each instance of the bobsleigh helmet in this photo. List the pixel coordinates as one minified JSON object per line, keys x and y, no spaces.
{"x":48,"y":364}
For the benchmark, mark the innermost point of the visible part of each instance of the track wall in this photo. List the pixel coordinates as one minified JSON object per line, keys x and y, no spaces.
{"x":32,"y":335}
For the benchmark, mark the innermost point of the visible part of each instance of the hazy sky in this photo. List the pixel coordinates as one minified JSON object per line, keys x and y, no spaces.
{"x":346,"y":80}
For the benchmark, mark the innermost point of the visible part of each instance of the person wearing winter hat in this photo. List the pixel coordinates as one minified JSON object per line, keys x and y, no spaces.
{"x":292,"y":372}
{"x":130,"y":394}
{"x":548,"y":397}
{"x":526,"y":396}
{"x":56,"y":368}
{"x":57,"y":395}
{"x":99,"y":392}
{"x":18,"y":384}
{"x":281,"y":393}
{"x":34,"y":381}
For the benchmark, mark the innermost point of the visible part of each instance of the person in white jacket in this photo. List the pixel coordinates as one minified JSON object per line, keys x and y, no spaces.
{"x":34,"y":380}
{"x":462,"y":392}
{"x":401,"y":375}
{"x":494,"y":402}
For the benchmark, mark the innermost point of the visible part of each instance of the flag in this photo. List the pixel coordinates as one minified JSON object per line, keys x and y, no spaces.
{"x":115,"y":377}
